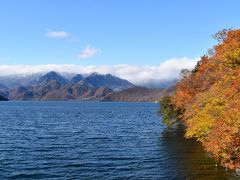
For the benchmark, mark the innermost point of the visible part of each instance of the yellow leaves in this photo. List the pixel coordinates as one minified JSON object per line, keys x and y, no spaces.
{"x":233,"y":77}
{"x":201,"y":115}
{"x":199,"y":126}
{"x":232,"y":59}
{"x":231,"y":115}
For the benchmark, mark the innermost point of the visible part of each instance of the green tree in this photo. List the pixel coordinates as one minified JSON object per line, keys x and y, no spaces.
{"x":167,"y":111}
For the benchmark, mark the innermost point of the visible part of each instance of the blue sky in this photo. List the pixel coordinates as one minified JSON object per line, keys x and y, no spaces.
{"x":110,"y":32}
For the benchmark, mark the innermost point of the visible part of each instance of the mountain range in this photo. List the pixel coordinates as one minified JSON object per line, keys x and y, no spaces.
{"x":94,"y":86}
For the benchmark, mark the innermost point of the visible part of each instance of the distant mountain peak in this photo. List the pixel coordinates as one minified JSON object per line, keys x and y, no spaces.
{"x":50,"y":76}
{"x":76,"y":79}
{"x":108,"y":80}
{"x":95,"y":74}
{"x":52,"y":73}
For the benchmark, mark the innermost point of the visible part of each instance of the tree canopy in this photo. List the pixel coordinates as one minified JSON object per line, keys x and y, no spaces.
{"x":209,"y":100}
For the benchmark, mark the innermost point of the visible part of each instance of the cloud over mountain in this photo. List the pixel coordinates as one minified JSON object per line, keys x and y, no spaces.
{"x":167,"y":70}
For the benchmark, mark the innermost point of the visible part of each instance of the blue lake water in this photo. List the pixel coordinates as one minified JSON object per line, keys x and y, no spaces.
{"x":97,"y":140}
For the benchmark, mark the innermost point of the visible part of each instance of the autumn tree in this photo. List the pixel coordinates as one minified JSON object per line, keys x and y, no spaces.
{"x":209,"y":100}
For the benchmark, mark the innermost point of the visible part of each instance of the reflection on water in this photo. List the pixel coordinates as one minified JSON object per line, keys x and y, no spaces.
{"x":187,"y":158}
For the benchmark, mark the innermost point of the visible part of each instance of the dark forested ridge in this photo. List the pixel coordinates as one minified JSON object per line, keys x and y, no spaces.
{"x":2,"y":98}
{"x":140,"y":94}
{"x":207,"y":100}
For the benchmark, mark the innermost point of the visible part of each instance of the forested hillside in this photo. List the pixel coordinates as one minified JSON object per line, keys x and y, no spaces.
{"x":207,"y":100}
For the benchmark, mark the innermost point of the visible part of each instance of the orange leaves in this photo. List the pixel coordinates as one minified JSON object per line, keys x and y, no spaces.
{"x":210,"y":100}
{"x":229,"y":50}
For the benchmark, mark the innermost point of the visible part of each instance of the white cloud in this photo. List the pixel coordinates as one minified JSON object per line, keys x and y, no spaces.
{"x":88,"y":52}
{"x":57,"y":34}
{"x":167,"y":70}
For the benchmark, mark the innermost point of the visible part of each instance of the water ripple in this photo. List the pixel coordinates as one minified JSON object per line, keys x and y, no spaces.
{"x":96,"y":140}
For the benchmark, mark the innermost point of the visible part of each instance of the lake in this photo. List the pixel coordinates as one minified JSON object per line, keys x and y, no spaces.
{"x":97,"y":140}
